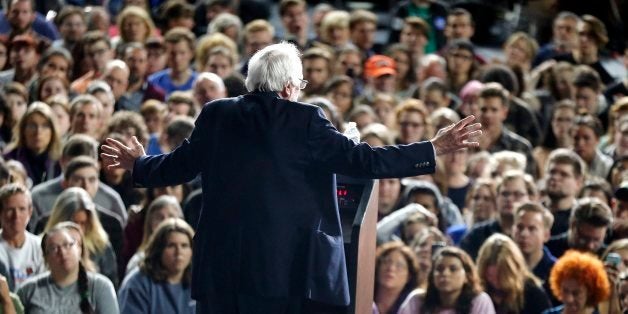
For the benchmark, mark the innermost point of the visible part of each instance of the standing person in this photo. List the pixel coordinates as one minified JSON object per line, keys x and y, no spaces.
{"x":281,"y":258}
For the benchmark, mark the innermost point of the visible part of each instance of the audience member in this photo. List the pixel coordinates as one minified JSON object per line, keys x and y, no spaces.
{"x":162,"y":282}
{"x":580,"y":282}
{"x":70,"y":286}
{"x":19,"y":249}
{"x":507,"y":279}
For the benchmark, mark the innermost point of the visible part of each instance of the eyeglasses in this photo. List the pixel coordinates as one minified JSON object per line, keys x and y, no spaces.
{"x":57,"y":248}
{"x":303,"y":84}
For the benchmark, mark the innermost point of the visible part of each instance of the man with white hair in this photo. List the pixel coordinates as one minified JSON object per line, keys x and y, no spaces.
{"x":207,"y":87}
{"x":269,"y":238}
{"x":117,"y":76}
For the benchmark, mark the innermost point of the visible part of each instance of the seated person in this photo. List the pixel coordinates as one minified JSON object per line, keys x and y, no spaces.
{"x":70,"y":286}
{"x":162,"y":282}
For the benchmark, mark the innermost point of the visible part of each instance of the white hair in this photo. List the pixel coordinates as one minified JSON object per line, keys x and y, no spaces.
{"x":117,"y":64}
{"x":428,"y":59}
{"x":212,"y":77}
{"x":223,"y":21}
{"x":271,"y":68}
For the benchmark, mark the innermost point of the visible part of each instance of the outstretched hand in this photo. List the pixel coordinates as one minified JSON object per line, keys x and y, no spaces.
{"x":457,"y":136}
{"x":116,"y":155}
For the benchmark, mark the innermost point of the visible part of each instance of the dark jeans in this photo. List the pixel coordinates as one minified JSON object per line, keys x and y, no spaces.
{"x":249,"y":304}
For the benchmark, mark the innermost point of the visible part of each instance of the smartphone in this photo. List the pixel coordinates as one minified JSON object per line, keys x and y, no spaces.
{"x":613,"y":259}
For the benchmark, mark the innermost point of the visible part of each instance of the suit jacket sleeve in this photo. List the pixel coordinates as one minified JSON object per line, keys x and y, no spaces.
{"x":177,"y":167}
{"x":334,"y":152}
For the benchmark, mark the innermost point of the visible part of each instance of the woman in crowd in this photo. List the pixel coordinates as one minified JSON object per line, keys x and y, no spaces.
{"x":461,"y":65}
{"x":412,"y":122}
{"x":557,"y":134}
{"x":507,"y":279}
{"x":520,"y":49}
{"x":424,"y":245}
{"x":162,"y":282}
{"x":70,"y":286}
{"x":53,"y":85}
{"x":134,"y":25}
{"x":61,"y":109}
{"x":36,"y":144}
{"x":335,"y":29}
{"x":404,"y":64}
{"x":384,"y":106}
{"x":454,"y":287}
{"x":339,"y":90}
{"x":160,"y":209}
{"x":615,"y":266}
{"x":396,"y":276}
{"x":16,"y":97}
{"x":480,"y":202}
{"x":580,"y":282}
{"x":74,"y":204}
{"x":586,"y":135}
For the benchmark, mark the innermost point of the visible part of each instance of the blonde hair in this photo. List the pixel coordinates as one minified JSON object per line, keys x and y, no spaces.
{"x":135,"y":11}
{"x":74,"y":200}
{"x":502,"y":252}
{"x":54,"y":147}
{"x":208,"y":42}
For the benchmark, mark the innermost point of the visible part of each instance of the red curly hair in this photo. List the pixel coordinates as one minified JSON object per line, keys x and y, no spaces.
{"x":585,"y":268}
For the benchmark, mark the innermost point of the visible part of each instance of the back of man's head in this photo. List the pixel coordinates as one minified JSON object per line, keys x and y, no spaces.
{"x":77,"y":163}
{"x":79,"y":145}
{"x":178,"y":130}
{"x":271,"y":68}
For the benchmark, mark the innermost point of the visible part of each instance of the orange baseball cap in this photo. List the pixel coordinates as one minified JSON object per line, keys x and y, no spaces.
{"x":379,"y":65}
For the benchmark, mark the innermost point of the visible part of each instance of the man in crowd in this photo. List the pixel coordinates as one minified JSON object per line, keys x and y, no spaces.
{"x":564,"y":177}
{"x":20,"y":250}
{"x":86,"y":113}
{"x":588,"y":225}
{"x":531,"y":231}
{"x":135,"y":55}
{"x":25,"y":50}
{"x":20,"y":18}
{"x":45,"y":193}
{"x":494,"y":107}
{"x":316,"y":70}
{"x":98,"y":52}
{"x":564,"y":38}
{"x":515,"y":188}
{"x":180,"y":50}
{"x":295,"y":22}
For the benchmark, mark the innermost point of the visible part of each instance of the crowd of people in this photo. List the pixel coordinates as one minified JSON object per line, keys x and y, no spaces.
{"x":534,"y":221}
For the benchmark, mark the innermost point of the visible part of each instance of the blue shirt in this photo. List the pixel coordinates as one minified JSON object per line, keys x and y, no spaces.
{"x":140,"y":294}
{"x":163,"y":80}
{"x":40,"y":26}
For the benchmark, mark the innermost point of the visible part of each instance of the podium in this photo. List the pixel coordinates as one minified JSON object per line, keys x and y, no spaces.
{"x":357,"y":202}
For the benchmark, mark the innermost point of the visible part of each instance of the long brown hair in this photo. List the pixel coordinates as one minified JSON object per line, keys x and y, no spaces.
{"x":469,"y":290}
{"x":151,"y":265}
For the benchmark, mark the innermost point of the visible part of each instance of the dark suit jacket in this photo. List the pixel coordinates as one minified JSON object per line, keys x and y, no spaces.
{"x":269,"y":224}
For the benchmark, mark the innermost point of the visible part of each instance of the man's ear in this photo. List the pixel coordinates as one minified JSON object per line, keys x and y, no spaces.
{"x":64,"y":183}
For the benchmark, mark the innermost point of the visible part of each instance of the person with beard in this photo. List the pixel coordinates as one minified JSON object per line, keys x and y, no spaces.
{"x":564,"y":177}
{"x":21,"y":18}
{"x":139,"y":89}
